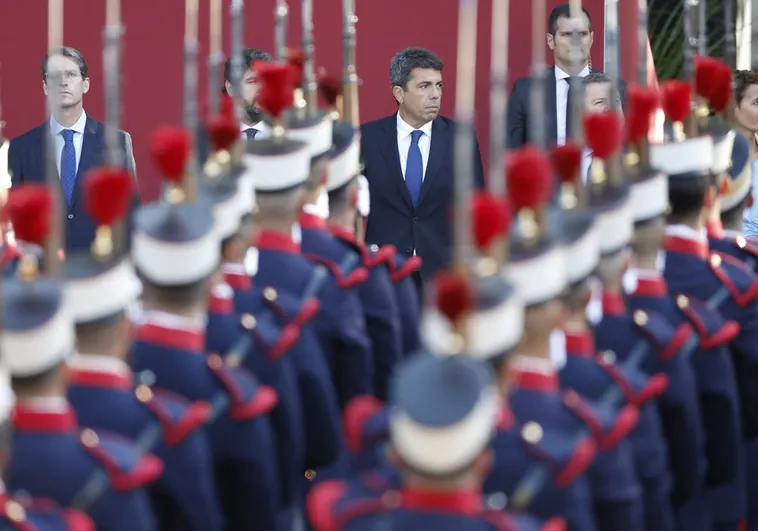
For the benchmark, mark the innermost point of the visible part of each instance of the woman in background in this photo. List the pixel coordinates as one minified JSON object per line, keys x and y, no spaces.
{"x":746,"y":123}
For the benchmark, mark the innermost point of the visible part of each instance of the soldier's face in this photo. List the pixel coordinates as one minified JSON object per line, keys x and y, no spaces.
{"x":747,"y":109}
{"x":64,"y":85}
{"x":422,"y":96}
{"x":562,"y":42}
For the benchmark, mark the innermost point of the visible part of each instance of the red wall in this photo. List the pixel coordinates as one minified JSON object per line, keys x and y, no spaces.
{"x":153,"y":56}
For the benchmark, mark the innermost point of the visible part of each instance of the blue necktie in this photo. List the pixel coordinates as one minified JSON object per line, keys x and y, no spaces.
{"x":250,"y":133}
{"x":414,"y":168}
{"x":68,"y":165}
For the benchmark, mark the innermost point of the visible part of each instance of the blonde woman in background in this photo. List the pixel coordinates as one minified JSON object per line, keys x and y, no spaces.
{"x":746,"y":123}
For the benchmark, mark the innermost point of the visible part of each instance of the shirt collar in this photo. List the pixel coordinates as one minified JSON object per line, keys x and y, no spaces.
{"x":686,"y":232}
{"x":560,"y":74}
{"x":260,"y":126}
{"x":56,"y":128}
{"x":404,"y":129}
{"x":99,"y":363}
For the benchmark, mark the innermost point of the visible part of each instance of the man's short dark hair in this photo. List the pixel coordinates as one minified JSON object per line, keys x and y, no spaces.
{"x":687,"y":198}
{"x":600,"y":77}
{"x":562,"y":11}
{"x":73,"y":54}
{"x":405,"y":61}
{"x":249,"y":56}
{"x":742,"y":80}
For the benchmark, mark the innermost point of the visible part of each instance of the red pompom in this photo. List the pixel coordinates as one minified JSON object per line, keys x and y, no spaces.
{"x":676,"y":99}
{"x":227,"y":108}
{"x":453,"y":294}
{"x":705,"y":75}
{"x":276,"y":93}
{"x":170,"y":146}
{"x":529,"y":177}
{"x":603,"y":133}
{"x":491,"y":218}
{"x":28,"y":210}
{"x":643,"y":102}
{"x":107,"y":194}
{"x":721,"y":92}
{"x":330,"y":87}
{"x":567,"y":161}
{"x":296,"y":59}
{"x":223,"y":131}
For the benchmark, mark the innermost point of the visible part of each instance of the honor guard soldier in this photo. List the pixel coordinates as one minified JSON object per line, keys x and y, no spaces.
{"x":444,"y":411}
{"x":692,"y":271}
{"x":340,"y":324}
{"x":175,"y":249}
{"x":54,"y":457}
{"x":101,"y":381}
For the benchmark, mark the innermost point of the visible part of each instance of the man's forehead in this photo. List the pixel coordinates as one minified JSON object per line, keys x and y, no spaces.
{"x":430,"y":75}
{"x":597,"y":90}
{"x":570,"y":24}
{"x":60,"y":62}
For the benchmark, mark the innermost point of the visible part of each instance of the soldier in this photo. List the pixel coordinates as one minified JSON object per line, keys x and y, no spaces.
{"x":340,"y":324}
{"x":101,"y":380}
{"x":54,"y":457}
{"x":737,"y":197}
{"x":693,"y":271}
{"x":176,"y":252}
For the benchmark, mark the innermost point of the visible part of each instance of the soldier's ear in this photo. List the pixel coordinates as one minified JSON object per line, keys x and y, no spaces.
{"x":483,"y":464}
{"x":749,"y":201}
{"x":710,"y":196}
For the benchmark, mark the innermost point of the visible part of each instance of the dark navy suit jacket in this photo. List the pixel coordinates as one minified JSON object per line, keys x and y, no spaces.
{"x":393,"y":219}
{"x":27,"y":163}
{"x":520,"y":109}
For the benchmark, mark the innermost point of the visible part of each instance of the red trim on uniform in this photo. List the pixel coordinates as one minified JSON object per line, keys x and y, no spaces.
{"x":613,"y":303}
{"x":175,"y":431}
{"x":357,"y":412}
{"x":412,"y":265}
{"x":681,"y":336}
{"x":742,"y":525}
{"x":626,"y":421}
{"x":308,"y":310}
{"x":621,"y":381}
{"x":148,"y":469}
{"x":263,"y":400}
{"x":288,"y":338}
{"x":651,"y":287}
{"x":580,"y":344}
{"x":179,"y":339}
{"x":505,"y":419}
{"x":94,"y":378}
{"x":78,"y":521}
{"x":749,"y":247}
{"x":276,"y":241}
{"x":9,"y":254}
{"x":344,"y":234}
{"x":217,"y":304}
{"x":655,"y":387}
{"x":533,"y":380}
{"x":675,"y":244}
{"x":320,"y":503}
{"x":556,"y":523}
{"x":311,"y":221}
{"x":728,"y":331}
{"x":742,"y":299}
{"x":238,"y":281}
{"x":580,"y":460}
{"x":467,"y":502}
{"x":715,"y":229}
{"x":25,"y":418}
{"x":357,"y":276}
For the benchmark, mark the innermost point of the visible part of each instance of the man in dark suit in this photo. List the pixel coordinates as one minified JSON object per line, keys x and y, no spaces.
{"x":78,"y":140}
{"x":408,"y":159}
{"x":557,"y":80}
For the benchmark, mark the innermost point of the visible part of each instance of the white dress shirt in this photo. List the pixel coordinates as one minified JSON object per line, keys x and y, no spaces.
{"x":586,"y":163}
{"x":561,"y":99}
{"x":404,"y":130}
{"x":78,"y":128}
{"x":260,"y":126}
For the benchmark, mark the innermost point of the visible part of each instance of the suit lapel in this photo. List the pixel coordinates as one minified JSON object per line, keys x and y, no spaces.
{"x":391,"y":156}
{"x":90,"y":157}
{"x":439,"y":149}
{"x":551,"y":134}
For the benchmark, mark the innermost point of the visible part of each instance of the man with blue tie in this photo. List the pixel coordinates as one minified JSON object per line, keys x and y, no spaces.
{"x":408,"y":159}
{"x":78,"y":140}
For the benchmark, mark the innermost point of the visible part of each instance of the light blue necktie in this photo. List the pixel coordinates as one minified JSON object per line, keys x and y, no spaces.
{"x":68,"y":165}
{"x":414,"y":168}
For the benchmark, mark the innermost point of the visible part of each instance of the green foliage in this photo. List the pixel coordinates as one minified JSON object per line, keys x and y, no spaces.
{"x":666,"y":30}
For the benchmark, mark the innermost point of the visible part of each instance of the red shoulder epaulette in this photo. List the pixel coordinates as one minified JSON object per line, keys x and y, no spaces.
{"x":742,"y":299}
{"x":624,"y":423}
{"x":726,"y":333}
{"x":242,"y":407}
{"x":655,"y":386}
{"x":357,"y":411}
{"x":357,"y":276}
{"x":175,"y":430}
{"x":131,"y":470}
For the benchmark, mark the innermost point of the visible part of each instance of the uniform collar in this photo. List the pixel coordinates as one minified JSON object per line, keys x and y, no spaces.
{"x":276,"y":241}
{"x":100,"y":371}
{"x":40,"y":416}
{"x":311,"y":220}
{"x":173,"y":331}
{"x":686,"y":240}
{"x":560,"y":74}
{"x":236,"y":276}
{"x":580,"y":344}
{"x":404,"y":129}
{"x":648,"y":283}
{"x":533,"y":374}
{"x":221,"y":299}
{"x":78,"y":127}
{"x":613,"y":304}
{"x":467,"y":502}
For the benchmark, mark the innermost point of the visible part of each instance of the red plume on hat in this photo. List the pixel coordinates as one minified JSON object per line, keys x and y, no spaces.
{"x":330,"y":87}
{"x":643,"y":102}
{"x":721,"y":92}
{"x":107,"y":194}
{"x":28,"y":209}
{"x":529,"y":177}
{"x":491,"y":218}
{"x":223,"y":131}
{"x":296,"y":59}
{"x":453,"y":296}
{"x":567,"y":161}
{"x":676,"y":99}
{"x":170,"y":147}
{"x":603,"y":132}
{"x":706,"y":69}
{"x":276,"y":93}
